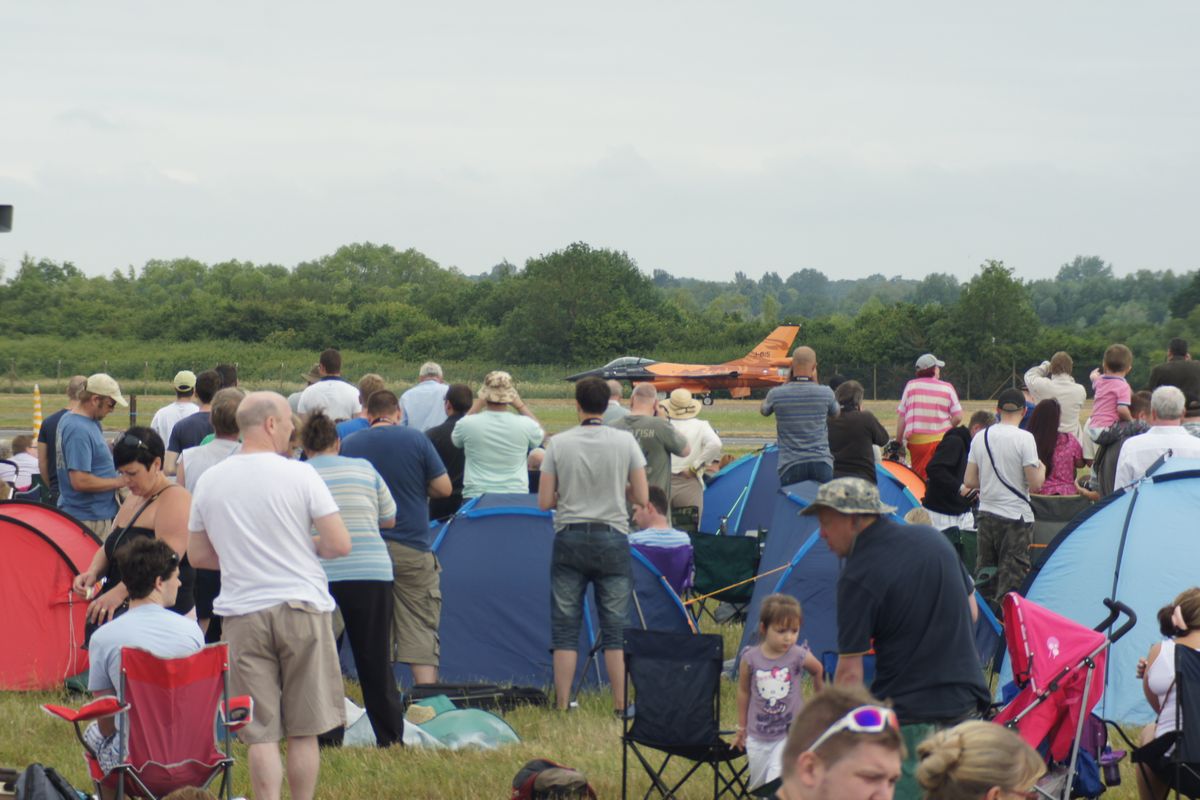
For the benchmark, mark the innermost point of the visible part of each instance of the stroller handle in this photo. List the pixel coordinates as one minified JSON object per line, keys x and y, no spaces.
{"x":1115,"y":609}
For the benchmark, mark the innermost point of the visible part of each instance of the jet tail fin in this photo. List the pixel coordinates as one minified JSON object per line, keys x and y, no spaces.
{"x":776,"y":346}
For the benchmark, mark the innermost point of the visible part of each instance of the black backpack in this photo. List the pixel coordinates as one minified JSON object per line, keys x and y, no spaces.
{"x":43,"y":783}
{"x":543,"y":779}
{"x":486,"y":696}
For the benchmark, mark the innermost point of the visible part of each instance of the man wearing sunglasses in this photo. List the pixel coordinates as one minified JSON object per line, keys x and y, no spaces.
{"x":87,"y":477}
{"x":843,"y":745}
{"x":903,"y":592}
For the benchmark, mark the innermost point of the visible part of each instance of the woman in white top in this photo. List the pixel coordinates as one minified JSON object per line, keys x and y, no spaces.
{"x":704,"y":447}
{"x":1180,"y":626}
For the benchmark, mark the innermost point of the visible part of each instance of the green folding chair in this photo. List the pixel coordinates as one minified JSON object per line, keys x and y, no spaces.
{"x":722,"y":561}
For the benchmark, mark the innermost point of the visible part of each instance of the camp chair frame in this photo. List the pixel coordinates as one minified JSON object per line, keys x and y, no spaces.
{"x":694,"y":662}
{"x":1185,"y":758}
{"x":137,"y":772}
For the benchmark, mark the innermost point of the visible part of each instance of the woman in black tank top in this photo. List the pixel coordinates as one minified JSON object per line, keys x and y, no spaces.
{"x":156,"y":509}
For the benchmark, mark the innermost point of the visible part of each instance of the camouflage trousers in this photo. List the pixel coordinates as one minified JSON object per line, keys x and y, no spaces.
{"x":1004,"y":545}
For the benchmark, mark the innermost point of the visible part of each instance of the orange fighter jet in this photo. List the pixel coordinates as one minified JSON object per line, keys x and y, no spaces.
{"x":768,"y":364}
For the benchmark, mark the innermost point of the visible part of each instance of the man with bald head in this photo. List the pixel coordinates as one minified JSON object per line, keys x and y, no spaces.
{"x":802,"y":408}
{"x":253,"y":517}
{"x":655,"y":435}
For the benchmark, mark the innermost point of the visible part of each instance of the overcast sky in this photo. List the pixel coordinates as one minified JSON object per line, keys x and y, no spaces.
{"x":700,"y":137}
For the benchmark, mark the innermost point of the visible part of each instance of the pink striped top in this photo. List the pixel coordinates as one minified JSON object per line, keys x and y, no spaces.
{"x":927,"y":406}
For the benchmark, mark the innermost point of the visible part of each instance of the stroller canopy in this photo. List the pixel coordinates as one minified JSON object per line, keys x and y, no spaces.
{"x":1049,"y":654}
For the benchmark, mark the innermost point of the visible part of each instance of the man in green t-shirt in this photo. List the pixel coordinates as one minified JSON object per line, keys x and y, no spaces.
{"x":655,"y":435}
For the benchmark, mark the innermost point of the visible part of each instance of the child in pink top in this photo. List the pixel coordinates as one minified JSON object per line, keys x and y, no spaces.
{"x":1112,"y":394}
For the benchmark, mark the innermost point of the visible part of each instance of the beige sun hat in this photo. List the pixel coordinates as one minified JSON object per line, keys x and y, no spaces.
{"x":498,"y":388}
{"x":680,"y":405}
{"x":104,"y":385}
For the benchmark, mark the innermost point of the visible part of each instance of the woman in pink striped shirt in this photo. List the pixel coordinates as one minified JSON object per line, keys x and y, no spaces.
{"x":928,"y":408}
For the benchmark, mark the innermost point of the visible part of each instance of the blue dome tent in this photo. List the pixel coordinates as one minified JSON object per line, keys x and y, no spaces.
{"x":1138,"y":546}
{"x":495,"y":558}
{"x":741,"y":497}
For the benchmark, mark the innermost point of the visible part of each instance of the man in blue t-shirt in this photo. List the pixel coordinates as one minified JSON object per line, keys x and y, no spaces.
{"x":413,"y":472}
{"x":802,"y":409}
{"x":87,"y":477}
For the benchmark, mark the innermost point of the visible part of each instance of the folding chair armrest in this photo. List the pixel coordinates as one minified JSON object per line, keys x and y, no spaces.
{"x":100,"y":708}
{"x":239,"y":714}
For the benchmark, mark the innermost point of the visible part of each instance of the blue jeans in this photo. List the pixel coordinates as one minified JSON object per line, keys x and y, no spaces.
{"x":593,"y":553}
{"x":817,"y":471}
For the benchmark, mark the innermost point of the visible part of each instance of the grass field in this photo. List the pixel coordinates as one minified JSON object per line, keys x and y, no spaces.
{"x":730,"y":418}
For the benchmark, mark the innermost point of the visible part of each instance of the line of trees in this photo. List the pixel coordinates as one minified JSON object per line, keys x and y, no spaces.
{"x":582,"y":305}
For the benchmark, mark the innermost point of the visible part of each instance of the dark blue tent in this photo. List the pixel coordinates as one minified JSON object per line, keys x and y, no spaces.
{"x":796,"y":562}
{"x":495,"y":557}
{"x":742,"y":495}
{"x":1138,"y":546}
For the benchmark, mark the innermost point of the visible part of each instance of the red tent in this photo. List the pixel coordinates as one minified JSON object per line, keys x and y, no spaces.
{"x":41,"y":620}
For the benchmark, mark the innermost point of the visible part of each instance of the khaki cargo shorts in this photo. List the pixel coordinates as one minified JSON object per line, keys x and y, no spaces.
{"x":284,"y":657}
{"x":418,"y":593}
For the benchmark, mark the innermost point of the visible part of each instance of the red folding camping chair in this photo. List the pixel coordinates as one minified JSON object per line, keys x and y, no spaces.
{"x":1054,"y":663}
{"x":167,"y":708}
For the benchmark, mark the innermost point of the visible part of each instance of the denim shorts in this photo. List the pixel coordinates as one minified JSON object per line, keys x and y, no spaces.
{"x":589,"y":553}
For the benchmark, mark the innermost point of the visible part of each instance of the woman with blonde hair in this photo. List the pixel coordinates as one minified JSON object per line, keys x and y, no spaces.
{"x":977,"y":760}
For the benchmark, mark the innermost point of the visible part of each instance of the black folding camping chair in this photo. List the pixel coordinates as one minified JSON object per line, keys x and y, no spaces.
{"x":676,"y":681}
{"x":723,"y":561}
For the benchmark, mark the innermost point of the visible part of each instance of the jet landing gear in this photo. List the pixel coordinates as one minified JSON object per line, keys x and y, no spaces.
{"x":707,"y":399}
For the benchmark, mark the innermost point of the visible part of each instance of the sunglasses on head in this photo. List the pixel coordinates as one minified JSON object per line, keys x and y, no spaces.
{"x":133,"y":441}
{"x":864,"y":719}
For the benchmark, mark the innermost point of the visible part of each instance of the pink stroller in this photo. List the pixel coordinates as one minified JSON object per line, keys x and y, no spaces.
{"x":1054,"y":664}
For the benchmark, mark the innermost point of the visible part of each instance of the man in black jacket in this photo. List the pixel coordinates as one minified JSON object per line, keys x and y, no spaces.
{"x":947,"y":500}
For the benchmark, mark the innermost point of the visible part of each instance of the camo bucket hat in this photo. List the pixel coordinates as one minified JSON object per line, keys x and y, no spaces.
{"x":849,"y":496}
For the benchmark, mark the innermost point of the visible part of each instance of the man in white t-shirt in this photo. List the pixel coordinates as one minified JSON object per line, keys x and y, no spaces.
{"x":1166,"y":437}
{"x":150,"y":572}
{"x":1004,"y":465}
{"x":184,"y":406}
{"x":331,"y":393}
{"x":253,"y":517}
{"x":424,"y":405}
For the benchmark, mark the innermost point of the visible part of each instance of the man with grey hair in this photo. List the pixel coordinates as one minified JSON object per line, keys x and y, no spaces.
{"x":655,"y":435}
{"x":194,"y":462}
{"x":424,"y":405}
{"x":253,"y":517}
{"x":1165,"y":439}
{"x":615,"y":410}
{"x":48,"y":436}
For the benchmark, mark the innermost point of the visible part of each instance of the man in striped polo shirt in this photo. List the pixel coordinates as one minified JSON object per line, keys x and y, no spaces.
{"x":928,"y":408}
{"x":802,"y":408}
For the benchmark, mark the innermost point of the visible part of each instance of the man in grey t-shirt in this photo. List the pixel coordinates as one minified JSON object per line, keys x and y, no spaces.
{"x":655,"y":435}
{"x":589,"y":473}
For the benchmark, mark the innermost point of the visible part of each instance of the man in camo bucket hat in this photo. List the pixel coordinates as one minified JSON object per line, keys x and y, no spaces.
{"x":904,"y":593}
